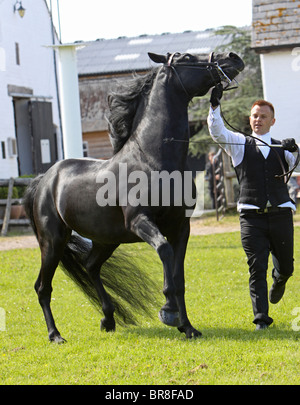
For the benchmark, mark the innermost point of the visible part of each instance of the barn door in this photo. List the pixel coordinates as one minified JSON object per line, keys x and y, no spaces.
{"x":23,"y":135}
{"x":43,"y":135}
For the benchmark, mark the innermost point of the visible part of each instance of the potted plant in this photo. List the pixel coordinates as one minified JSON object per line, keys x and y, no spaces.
{"x":16,"y":210}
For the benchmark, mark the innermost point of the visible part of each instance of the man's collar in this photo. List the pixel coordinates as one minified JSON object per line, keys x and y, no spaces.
{"x":265,"y":137}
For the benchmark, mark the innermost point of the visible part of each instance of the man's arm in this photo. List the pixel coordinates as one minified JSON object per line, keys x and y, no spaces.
{"x":232,"y":142}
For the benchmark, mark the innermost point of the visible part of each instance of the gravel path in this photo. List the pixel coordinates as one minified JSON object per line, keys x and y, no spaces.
{"x":197,"y":228}
{"x":18,"y":242}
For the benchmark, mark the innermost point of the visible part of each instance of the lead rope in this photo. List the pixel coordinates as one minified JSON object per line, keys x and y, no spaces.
{"x":285,"y":175}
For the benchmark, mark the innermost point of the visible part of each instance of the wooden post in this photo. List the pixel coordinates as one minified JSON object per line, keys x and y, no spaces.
{"x":229,"y":174}
{"x":8,"y":207}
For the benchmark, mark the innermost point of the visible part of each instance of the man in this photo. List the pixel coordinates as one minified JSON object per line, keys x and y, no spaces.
{"x":265,"y":207}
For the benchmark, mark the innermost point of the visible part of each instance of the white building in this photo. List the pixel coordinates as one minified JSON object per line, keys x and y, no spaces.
{"x":276,"y":36}
{"x":30,"y":125}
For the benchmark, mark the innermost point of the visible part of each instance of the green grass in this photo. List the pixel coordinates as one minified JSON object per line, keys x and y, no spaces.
{"x":218,"y":303}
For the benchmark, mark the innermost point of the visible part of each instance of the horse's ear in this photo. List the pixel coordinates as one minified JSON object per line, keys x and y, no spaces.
{"x":157,"y":58}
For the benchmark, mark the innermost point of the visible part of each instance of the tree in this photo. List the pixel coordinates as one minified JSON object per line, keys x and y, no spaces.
{"x":236,"y":103}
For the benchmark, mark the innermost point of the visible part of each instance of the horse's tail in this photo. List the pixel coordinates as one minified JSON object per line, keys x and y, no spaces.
{"x":28,"y":200}
{"x":131,"y":289}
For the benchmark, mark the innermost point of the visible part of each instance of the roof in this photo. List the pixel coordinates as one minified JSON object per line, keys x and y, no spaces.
{"x":126,"y":54}
{"x":275,"y":24}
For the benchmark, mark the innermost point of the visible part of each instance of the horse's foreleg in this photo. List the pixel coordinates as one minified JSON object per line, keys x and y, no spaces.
{"x":149,"y":232}
{"x":179,"y":244}
{"x":98,"y":255}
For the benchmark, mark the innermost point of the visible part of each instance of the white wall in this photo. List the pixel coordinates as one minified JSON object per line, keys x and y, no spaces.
{"x":36,"y":69}
{"x":281,"y":82}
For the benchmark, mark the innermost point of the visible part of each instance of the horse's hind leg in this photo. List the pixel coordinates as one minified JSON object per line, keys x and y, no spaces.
{"x":51,"y":252}
{"x":98,"y":255}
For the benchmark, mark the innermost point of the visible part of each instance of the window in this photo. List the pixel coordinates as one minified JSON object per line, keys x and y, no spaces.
{"x":140,"y":41}
{"x":3,"y":150}
{"x":127,"y":56}
{"x":17,"y":53}
{"x":12,"y":147}
{"x":85,"y":147}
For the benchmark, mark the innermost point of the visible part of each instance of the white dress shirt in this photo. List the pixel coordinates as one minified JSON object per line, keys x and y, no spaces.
{"x":234,"y":145}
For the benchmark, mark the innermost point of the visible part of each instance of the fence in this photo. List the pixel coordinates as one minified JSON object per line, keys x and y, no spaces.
{"x":10,"y":201}
{"x":223,"y":186}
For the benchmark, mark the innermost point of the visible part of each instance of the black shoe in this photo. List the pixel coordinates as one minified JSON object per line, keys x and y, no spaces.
{"x":278,"y":287}
{"x":261,"y":326}
{"x":276,"y":292}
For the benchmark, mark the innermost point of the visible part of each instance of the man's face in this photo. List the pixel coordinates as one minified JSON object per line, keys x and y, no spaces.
{"x":261,"y":119}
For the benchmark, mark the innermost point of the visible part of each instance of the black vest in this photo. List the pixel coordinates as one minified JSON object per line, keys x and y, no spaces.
{"x":256,"y":176}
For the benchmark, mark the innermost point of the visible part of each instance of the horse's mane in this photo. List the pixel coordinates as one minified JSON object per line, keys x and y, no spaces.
{"x":123,"y":105}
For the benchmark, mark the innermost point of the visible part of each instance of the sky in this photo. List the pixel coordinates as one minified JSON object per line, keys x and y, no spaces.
{"x":88,"y":20}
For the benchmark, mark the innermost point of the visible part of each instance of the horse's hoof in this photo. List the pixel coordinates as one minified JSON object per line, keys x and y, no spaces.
{"x":108,"y":326}
{"x":190,"y":332}
{"x":57,"y":339}
{"x":169,"y":318}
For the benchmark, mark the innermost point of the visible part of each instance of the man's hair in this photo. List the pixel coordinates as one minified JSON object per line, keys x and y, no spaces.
{"x":261,"y":103}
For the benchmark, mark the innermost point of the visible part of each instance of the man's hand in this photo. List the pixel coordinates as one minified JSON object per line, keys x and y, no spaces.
{"x":216,"y":95}
{"x":289,"y":144}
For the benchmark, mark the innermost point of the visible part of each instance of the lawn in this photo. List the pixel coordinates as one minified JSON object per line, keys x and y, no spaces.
{"x":218,"y":303}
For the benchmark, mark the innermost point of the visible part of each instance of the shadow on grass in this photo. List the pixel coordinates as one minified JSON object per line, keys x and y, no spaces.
{"x":216,"y":333}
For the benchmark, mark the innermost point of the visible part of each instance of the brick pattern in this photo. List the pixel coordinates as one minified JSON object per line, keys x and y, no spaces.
{"x":275,"y":23}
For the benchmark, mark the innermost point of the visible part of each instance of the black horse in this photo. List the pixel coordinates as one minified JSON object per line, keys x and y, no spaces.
{"x":111,"y":202}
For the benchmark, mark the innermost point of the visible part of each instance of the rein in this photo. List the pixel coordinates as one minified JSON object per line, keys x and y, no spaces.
{"x":286,"y":175}
{"x":212,"y":66}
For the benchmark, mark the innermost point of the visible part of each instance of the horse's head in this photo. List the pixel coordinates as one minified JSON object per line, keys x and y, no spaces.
{"x":195,"y":76}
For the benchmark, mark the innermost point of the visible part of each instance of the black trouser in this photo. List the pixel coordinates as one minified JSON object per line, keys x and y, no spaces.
{"x":261,"y":234}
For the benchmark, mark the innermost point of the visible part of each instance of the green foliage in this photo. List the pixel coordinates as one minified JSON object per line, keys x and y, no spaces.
{"x":236,"y":104}
{"x":18,"y":191}
{"x":218,"y":303}
{"x":4,"y":193}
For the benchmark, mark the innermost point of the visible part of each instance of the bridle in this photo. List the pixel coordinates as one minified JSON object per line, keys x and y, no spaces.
{"x":213,"y":67}
{"x":216,"y":72}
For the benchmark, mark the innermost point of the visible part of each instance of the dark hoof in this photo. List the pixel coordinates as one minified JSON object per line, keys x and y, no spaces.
{"x":169,"y":318}
{"x":108,"y":326}
{"x":57,"y":339}
{"x":190,"y":332}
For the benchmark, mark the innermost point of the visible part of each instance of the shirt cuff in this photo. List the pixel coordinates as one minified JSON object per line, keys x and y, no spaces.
{"x":214,"y":111}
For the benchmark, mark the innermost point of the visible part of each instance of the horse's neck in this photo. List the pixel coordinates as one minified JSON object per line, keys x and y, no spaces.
{"x":164,"y":117}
